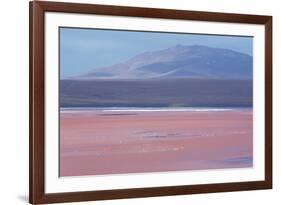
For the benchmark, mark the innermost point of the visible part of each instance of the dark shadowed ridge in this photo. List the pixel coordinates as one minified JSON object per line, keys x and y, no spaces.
{"x":156,"y":93}
{"x":179,"y":62}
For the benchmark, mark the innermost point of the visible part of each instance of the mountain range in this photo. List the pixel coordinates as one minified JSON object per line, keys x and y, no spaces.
{"x":179,"y":61}
{"x":179,"y":76}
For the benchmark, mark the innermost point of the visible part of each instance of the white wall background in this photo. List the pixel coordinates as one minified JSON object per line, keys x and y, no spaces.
{"x":14,"y":100}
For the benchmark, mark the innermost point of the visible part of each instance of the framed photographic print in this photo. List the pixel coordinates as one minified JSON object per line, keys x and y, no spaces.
{"x":139,"y":102}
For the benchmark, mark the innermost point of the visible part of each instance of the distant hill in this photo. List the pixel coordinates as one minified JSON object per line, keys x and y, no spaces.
{"x":180,"y":76}
{"x":179,"y":62}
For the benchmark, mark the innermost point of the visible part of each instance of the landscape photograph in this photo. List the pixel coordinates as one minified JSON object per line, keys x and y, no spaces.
{"x":144,"y":102}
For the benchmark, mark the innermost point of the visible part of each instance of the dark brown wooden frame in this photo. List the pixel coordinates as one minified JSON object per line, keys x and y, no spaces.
{"x":37,"y":194}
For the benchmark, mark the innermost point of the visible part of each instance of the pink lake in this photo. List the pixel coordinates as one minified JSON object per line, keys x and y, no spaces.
{"x":96,"y":142}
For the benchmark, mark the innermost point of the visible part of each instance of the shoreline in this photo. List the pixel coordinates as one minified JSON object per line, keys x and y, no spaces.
{"x":154,"y":109}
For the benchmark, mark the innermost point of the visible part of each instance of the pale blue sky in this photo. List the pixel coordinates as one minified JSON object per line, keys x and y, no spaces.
{"x":83,"y":50}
